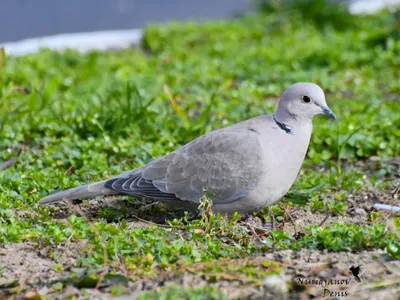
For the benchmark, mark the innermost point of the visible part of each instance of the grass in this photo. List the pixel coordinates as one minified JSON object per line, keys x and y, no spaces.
{"x":192,"y":294}
{"x":69,"y":119}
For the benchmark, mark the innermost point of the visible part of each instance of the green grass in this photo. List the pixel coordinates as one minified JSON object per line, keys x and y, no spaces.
{"x":72,"y":119}
{"x":186,"y":294}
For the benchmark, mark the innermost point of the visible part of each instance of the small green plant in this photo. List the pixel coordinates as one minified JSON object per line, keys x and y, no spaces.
{"x":334,"y":206}
{"x":393,"y":248}
{"x":171,"y":293}
{"x":118,"y":290}
{"x":58,"y":268}
{"x":205,"y":206}
{"x":110,"y":114}
{"x":321,"y":12}
{"x":343,"y":237}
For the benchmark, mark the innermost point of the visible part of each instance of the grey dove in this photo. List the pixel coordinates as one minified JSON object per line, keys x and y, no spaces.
{"x":243,"y":167}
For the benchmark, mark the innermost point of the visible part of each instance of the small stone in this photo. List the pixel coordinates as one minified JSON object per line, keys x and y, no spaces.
{"x":43,"y":291}
{"x":360,"y":211}
{"x":32,"y":295}
{"x":278,"y":285}
{"x":71,"y":291}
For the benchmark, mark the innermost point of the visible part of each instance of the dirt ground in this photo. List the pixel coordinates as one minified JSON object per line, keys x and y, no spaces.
{"x":301,"y":270}
{"x":31,"y":268}
{"x":27,"y":271}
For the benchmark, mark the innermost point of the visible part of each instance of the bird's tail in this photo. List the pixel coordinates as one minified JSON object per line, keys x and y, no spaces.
{"x":86,"y":191}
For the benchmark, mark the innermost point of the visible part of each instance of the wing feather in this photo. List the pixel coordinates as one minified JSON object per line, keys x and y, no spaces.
{"x":224,"y":162}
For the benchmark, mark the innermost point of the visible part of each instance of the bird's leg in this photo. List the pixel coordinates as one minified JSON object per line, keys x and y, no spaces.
{"x":254,"y":226}
{"x":273,"y":222}
{"x":150,"y":205}
{"x":195,"y":215}
{"x":291,"y":220}
{"x":76,"y":201}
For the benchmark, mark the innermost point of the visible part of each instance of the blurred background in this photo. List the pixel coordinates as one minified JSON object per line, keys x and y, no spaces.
{"x":21,"y":19}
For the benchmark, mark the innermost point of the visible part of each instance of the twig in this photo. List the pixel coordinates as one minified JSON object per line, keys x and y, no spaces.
{"x":291,"y":219}
{"x":8,"y":163}
{"x":261,"y":229}
{"x":385,"y":284}
{"x":328,"y":214}
{"x":254,"y":232}
{"x":395,"y":193}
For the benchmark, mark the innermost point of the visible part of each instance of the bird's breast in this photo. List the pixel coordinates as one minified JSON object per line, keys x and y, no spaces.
{"x":282,"y":158}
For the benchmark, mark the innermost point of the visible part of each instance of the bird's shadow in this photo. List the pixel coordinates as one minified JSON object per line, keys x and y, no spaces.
{"x":115,"y":209}
{"x":140,"y":212}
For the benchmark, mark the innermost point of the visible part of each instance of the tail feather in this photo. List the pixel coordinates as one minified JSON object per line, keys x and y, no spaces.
{"x":86,"y":191}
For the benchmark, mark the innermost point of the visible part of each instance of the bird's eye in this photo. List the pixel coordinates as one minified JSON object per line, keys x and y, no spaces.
{"x":306,"y":99}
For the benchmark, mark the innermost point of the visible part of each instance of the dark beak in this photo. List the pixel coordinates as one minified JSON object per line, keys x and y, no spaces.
{"x":327,"y":111}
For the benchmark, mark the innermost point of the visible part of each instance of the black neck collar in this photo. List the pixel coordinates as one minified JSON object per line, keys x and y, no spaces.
{"x":283,"y":126}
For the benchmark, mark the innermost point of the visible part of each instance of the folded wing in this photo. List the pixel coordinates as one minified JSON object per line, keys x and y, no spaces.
{"x":225,"y":162}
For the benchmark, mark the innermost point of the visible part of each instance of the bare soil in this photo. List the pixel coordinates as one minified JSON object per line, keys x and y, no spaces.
{"x":32,"y":271}
{"x":28,"y":272}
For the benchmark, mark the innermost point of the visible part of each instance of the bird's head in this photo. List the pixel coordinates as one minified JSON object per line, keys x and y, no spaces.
{"x":302,"y":101}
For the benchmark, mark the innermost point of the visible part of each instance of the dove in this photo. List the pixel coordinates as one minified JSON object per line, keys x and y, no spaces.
{"x":241,"y":168}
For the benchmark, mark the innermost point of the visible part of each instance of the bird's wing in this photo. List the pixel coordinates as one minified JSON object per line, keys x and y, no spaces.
{"x":226,"y":163}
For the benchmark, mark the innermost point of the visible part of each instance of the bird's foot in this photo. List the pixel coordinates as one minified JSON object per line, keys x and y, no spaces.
{"x":257,"y":227}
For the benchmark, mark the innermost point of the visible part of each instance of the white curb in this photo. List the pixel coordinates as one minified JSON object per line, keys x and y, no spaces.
{"x":82,"y":42}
